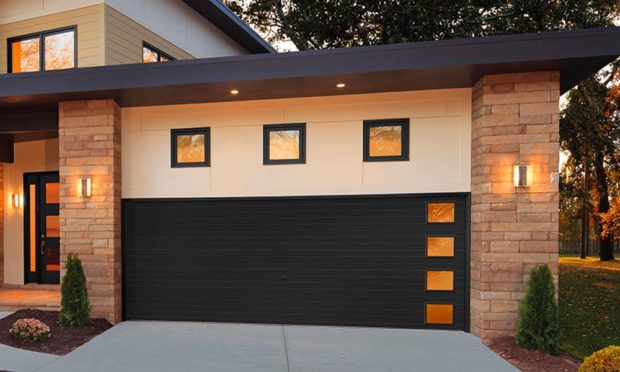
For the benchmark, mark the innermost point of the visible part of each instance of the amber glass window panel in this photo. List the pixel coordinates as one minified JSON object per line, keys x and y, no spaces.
{"x":440,"y":246}
{"x":440,"y":212}
{"x":386,"y":140}
{"x":284,"y":144}
{"x":52,"y":226}
{"x":190,"y":147}
{"x":60,"y":50}
{"x":149,"y":56}
{"x":439,"y":313}
{"x":26,"y":55}
{"x":52,"y":258}
{"x":32,"y":236}
{"x":439,"y":280}
{"x":52,"y":193}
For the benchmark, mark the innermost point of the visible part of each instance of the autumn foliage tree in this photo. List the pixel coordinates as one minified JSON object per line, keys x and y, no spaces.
{"x":589,"y":133}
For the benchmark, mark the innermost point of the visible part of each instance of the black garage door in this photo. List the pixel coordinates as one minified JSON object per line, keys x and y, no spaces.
{"x":320,"y":260}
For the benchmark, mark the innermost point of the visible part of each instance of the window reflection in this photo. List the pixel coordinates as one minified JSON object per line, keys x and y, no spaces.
{"x":439,"y":313}
{"x":439,"y":280}
{"x":191,"y":148}
{"x":283,"y":144}
{"x":440,"y":246}
{"x":440,"y":212}
{"x":60,"y":51}
{"x":385,"y":140}
{"x":56,"y":49}
{"x":25,"y":55}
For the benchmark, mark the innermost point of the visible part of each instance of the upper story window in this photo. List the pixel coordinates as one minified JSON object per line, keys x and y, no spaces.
{"x":151,"y":54}
{"x":44,"y":51}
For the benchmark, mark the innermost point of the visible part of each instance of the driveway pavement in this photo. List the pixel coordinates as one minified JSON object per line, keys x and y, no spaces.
{"x":181,"y":346}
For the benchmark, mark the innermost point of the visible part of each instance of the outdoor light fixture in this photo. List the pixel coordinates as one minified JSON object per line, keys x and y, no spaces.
{"x":16,"y":200}
{"x":341,"y":85}
{"x":86,"y":189}
{"x":234,"y":92}
{"x":522,"y":177}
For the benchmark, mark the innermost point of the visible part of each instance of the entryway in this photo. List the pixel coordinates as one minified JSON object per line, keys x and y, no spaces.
{"x":41,"y":228}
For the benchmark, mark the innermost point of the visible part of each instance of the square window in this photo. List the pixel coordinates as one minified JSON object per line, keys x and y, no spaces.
{"x":440,"y":213}
{"x":25,"y":55}
{"x":59,"y":50}
{"x":440,"y":246}
{"x":386,"y":140}
{"x":439,"y":280}
{"x":284,"y":144}
{"x":191,"y":147}
{"x":439,"y":313}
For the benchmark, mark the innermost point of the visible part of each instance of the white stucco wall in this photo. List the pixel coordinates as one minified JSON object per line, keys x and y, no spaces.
{"x":170,"y":19}
{"x":440,"y":147}
{"x":35,"y":156}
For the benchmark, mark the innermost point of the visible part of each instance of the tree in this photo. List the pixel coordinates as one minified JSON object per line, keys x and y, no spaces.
{"x":537,"y":326}
{"x":75,"y":307}
{"x":310,"y":24}
{"x":589,"y":132}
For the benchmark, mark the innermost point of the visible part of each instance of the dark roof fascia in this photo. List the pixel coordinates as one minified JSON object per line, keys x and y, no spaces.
{"x":413,"y":66}
{"x":228,"y":22}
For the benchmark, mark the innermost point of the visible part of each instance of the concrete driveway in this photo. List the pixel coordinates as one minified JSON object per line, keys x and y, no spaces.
{"x":181,"y":346}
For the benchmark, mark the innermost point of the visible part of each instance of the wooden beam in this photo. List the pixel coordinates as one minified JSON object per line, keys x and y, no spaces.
{"x":6,"y":149}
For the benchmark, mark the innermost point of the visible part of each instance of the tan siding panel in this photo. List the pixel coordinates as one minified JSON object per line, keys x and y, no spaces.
{"x":89,"y":21}
{"x":124,"y":38}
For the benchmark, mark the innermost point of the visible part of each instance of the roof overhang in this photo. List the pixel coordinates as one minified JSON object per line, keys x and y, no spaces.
{"x":413,"y":66}
{"x":228,"y":22}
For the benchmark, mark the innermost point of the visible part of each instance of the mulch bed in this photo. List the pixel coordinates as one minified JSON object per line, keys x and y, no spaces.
{"x":526,"y":360}
{"x":63,"y":339}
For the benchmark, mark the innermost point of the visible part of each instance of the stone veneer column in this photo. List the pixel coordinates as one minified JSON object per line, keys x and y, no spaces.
{"x":515,"y":120}
{"x":90,"y":146}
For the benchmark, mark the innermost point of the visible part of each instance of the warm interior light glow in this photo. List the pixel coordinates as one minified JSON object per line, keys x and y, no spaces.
{"x":86,"y":187}
{"x":16,"y":200}
{"x":341,"y":85}
{"x":234,"y":92}
{"x":522,"y":177}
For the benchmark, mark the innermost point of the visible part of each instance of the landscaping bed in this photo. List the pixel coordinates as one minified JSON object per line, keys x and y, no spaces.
{"x":526,"y":360}
{"x":589,"y":305}
{"x":63,"y":340}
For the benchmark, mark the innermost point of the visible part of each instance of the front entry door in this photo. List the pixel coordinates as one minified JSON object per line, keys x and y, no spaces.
{"x":42,"y":227}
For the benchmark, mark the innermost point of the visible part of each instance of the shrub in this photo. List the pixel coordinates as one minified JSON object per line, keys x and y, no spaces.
{"x":605,"y":360}
{"x":538,"y":327}
{"x":30,"y":330}
{"x":75,"y":307}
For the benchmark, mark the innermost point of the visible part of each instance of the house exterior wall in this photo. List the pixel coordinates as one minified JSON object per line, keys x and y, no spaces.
{"x":170,"y":24}
{"x":90,"y":33}
{"x":90,"y":146}
{"x":439,"y":162}
{"x":34,"y":156}
{"x":515,"y":121}
{"x":124,"y":38}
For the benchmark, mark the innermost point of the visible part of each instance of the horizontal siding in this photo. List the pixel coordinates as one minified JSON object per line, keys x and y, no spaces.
{"x":124,"y":39}
{"x":89,"y":21}
{"x":322,"y":260}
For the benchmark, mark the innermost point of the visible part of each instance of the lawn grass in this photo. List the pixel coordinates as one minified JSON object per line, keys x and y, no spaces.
{"x":589,"y":305}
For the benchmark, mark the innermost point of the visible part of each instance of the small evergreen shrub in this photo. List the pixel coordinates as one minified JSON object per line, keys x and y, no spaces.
{"x":538,"y":327}
{"x":75,"y":307}
{"x":604,"y":360}
{"x":30,"y":330}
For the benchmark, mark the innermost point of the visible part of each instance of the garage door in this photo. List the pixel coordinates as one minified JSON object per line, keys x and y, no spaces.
{"x":389,"y":261}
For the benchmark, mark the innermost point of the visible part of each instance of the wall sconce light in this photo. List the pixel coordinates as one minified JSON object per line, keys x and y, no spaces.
{"x":522,"y":175}
{"x":16,"y":200}
{"x":87,"y":188}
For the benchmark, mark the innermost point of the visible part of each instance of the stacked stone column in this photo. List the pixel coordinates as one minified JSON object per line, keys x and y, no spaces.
{"x":90,"y":147}
{"x":515,"y":121}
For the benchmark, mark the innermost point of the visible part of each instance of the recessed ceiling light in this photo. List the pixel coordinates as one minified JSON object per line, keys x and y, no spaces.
{"x":341,"y":85}
{"x":234,"y":92}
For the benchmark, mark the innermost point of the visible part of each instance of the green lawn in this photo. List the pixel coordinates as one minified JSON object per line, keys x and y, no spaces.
{"x":589,"y":305}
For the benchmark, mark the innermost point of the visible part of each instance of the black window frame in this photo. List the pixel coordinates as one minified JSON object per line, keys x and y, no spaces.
{"x":41,"y":36}
{"x":403,"y":123}
{"x":156,"y":51}
{"x":301,"y":127}
{"x":174,"y":133}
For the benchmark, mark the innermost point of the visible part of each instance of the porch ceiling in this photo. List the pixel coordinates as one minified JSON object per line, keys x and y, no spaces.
{"x":413,"y":66}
